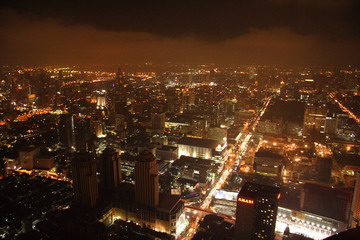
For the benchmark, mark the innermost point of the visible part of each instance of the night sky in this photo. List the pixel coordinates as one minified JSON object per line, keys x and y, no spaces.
{"x":285,"y":32}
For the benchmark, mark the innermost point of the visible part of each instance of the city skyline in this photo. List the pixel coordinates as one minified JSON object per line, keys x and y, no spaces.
{"x":180,"y":120}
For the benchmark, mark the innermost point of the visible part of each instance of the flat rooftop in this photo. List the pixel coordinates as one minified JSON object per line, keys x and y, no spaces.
{"x":199,"y":142}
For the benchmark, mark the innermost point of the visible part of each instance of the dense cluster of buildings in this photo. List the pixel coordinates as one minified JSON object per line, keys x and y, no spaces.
{"x":138,"y":150}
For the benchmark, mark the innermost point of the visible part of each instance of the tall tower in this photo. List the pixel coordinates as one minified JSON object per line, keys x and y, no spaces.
{"x":314,"y":120}
{"x":158,"y":121}
{"x":85,"y":184}
{"x":147,"y":180}
{"x":110,"y":172}
{"x":121,"y":86}
{"x":116,"y":92}
{"x":256,"y":212}
{"x":66,"y":131}
{"x":82,"y":134}
{"x":120,"y":125}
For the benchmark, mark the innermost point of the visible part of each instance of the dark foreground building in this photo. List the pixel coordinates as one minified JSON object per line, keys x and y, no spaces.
{"x":141,"y":203}
{"x":256,"y":211}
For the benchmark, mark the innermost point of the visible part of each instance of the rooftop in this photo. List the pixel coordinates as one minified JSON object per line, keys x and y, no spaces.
{"x":186,"y":160}
{"x":199,"y":142}
{"x":167,"y":148}
{"x":252,"y":190}
{"x":267,"y":154}
{"x":146,"y":156}
{"x":28,"y":148}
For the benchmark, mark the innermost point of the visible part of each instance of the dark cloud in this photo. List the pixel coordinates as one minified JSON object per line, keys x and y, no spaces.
{"x":292,"y":32}
{"x":39,"y":41}
{"x":205,"y":19}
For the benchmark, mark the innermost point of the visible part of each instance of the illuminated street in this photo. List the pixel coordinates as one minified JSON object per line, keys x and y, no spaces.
{"x":243,"y":146}
{"x":344,"y":108}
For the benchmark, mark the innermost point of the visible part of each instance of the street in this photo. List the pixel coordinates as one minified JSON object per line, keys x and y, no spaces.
{"x":243,"y":146}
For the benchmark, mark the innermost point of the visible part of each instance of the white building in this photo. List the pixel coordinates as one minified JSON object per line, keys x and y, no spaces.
{"x":200,"y":148}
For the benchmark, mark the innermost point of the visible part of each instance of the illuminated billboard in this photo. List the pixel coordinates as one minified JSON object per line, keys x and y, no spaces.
{"x":245,"y":200}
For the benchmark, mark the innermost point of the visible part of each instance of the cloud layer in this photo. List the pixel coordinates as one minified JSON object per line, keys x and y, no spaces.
{"x":274,"y":32}
{"x":206,"y":19}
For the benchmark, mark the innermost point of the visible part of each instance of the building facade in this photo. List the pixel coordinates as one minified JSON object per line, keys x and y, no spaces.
{"x":110,"y":170}
{"x":256,"y":211}
{"x":85,"y":182}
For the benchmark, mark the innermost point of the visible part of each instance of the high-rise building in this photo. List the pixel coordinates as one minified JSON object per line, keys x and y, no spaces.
{"x":314,"y":120}
{"x":256,"y":211}
{"x":110,"y":169}
{"x":83,"y":168}
{"x":120,"y":124}
{"x":199,"y":126}
{"x":98,"y":127}
{"x":334,"y":203}
{"x":27,"y":155}
{"x":82,"y":134}
{"x":147,"y":208}
{"x":252,"y":73}
{"x":173,"y":97}
{"x":147,"y":180}
{"x":158,"y":121}
{"x":66,"y":131}
{"x":121,"y":86}
{"x":118,"y":93}
{"x":120,"y":80}
{"x":330,"y":124}
{"x":323,"y":167}
{"x":101,"y":102}
{"x":188,"y":99}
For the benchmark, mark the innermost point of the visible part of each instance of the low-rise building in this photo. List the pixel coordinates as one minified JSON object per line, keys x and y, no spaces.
{"x":200,"y":148}
{"x":27,"y":155}
{"x":268,"y":163}
{"x":167,"y":152}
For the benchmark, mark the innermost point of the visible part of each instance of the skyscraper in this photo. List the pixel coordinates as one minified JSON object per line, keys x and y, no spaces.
{"x":147,"y":180}
{"x":120,"y":125}
{"x":117,"y":93}
{"x":256,"y":211}
{"x":85,"y":184}
{"x":121,"y":87}
{"x":110,"y":169}
{"x":314,"y":119}
{"x":158,"y":121}
{"x":199,"y":126}
{"x":66,"y":131}
{"x":82,"y":134}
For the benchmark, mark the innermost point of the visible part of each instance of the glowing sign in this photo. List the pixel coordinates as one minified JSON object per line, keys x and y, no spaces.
{"x":244,"y":200}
